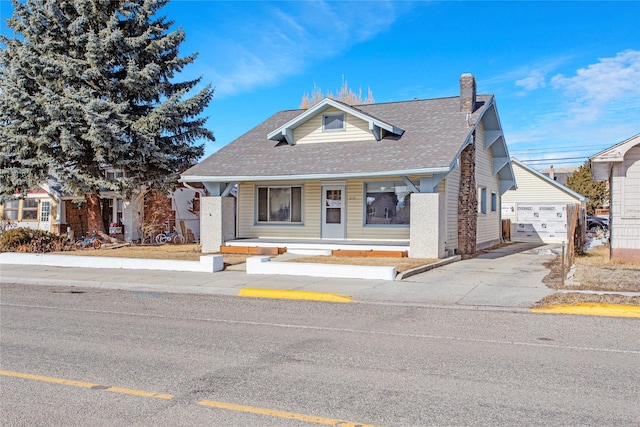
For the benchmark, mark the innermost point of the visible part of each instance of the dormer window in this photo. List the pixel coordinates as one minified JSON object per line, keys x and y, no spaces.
{"x":332,"y":122}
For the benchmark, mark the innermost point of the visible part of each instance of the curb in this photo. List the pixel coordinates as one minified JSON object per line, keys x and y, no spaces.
{"x":427,"y":267}
{"x":591,"y":309}
{"x":293,"y":295}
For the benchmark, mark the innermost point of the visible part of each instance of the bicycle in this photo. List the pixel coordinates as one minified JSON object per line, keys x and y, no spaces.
{"x":91,"y":242}
{"x":173,"y":237}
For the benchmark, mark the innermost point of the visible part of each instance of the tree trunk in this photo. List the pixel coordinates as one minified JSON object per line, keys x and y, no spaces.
{"x":94,"y":215}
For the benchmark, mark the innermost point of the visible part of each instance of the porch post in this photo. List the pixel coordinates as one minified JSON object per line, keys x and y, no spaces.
{"x":217,"y":222}
{"x":427,"y":231}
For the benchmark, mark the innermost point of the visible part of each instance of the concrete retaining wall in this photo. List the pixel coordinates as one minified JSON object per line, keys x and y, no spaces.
{"x":263,"y":265}
{"x":207,"y":263}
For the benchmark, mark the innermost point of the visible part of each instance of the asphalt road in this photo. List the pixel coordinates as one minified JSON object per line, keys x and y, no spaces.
{"x":72,"y":357}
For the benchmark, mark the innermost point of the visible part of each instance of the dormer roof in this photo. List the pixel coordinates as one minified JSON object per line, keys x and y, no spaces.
{"x":285,"y":131}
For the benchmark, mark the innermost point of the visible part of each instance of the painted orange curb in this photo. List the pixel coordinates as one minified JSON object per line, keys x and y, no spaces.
{"x":591,"y":309}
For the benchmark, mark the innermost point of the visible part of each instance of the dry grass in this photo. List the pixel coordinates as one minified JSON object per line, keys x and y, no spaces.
{"x":191,"y":252}
{"x":594,"y":272}
{"x":186,"y":252}
{"x":401,"y":264}
{"x":574,"y":297}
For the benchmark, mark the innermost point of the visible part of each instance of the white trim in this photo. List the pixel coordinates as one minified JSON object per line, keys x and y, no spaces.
{"x":244,"y":178}
{"x":617,"y":152}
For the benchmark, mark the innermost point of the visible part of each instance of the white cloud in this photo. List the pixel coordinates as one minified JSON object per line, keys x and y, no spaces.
{"x":578,"y":113}
{"x":535,"y":80}
{"x":610,"y":84}
{"x":529,"y":77}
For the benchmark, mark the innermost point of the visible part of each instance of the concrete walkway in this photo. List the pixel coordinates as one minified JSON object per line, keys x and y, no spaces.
{"x":506,"y":278}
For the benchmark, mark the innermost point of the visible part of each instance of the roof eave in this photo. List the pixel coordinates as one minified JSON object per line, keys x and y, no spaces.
{"x":314,"y":177}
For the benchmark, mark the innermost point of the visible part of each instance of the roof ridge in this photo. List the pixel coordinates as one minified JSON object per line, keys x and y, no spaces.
{"x":387,"y":102}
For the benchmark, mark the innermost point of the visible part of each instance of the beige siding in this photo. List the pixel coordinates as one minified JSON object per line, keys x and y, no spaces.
{"x":625,"y":222}
{"x":488,"y":224}
{"x":311,"y":131}
{"x":533,"y":189}
{"x":452,"y":189}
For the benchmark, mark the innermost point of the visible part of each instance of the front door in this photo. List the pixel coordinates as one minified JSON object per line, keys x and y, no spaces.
{"x":44,"y":216}
{"x":333,"y":211}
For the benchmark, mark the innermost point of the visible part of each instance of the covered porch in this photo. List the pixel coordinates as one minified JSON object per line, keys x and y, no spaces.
{"x":322,"y":246}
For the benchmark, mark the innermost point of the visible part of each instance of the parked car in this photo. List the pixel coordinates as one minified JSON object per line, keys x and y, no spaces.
{"x":596,"y":223}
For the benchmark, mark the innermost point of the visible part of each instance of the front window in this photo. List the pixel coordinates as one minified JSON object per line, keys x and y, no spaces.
{"x":30,"y":210}
{"x":10,"y":210}
{"x":280,"y":204}
{"x":388,"y":203}
{"x":332,"y":122}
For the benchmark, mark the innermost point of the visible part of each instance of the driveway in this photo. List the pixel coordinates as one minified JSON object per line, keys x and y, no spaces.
{"x":510,"y":276}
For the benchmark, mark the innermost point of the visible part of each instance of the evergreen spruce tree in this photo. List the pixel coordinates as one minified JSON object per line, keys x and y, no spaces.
{"x":583,"y":183}
{"x":87,"y":85}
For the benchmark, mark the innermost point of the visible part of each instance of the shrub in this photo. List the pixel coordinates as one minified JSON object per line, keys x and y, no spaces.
{"x":30,"y":240}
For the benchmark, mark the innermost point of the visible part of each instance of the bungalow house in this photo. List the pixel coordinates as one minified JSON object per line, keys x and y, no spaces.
{"x":537,"y":209}
{"x":418,"y":173}
{"x":620,"y":166}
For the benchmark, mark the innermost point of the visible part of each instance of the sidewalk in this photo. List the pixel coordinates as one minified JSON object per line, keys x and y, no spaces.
{"x":506,"y":278}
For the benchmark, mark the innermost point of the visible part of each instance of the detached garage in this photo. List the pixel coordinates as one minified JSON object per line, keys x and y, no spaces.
{"x":538,"y":208}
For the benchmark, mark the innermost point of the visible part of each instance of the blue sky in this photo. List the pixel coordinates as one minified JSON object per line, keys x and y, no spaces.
{"x":566,"y":75}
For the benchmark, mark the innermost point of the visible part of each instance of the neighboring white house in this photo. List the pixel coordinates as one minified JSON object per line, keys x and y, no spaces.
{"x":427,"y":174}
{"x":47,"y":208}
{"x":620,"y":166}
{"x":38,"y":210}
{"x":538,"y":207}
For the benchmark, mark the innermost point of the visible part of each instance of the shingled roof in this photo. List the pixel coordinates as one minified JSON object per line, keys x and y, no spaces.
{"x":435,"y":131}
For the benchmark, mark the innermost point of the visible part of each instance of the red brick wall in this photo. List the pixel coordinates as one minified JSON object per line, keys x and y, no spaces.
{"x":76,"y":218}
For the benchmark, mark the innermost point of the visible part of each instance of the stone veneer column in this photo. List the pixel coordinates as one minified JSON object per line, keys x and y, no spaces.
{"x":217,"y":222}
{"x":427,"y":226}
{"x":467,"y":201}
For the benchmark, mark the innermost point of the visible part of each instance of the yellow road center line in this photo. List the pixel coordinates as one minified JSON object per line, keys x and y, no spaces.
{"x":140,"y":393}
{"x":209,"y":403}
{"x":296,"y":295}
{"x":592,"y":309}
{"x":283,"y":414}
{"x":83,"y":384}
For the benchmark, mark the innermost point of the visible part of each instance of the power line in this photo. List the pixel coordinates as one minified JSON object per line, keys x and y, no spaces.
{"x":536,"y":147}
{"x":556,"y":158}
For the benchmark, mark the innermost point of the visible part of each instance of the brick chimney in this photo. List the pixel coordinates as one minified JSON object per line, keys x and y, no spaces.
{"x":467,"y":93}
